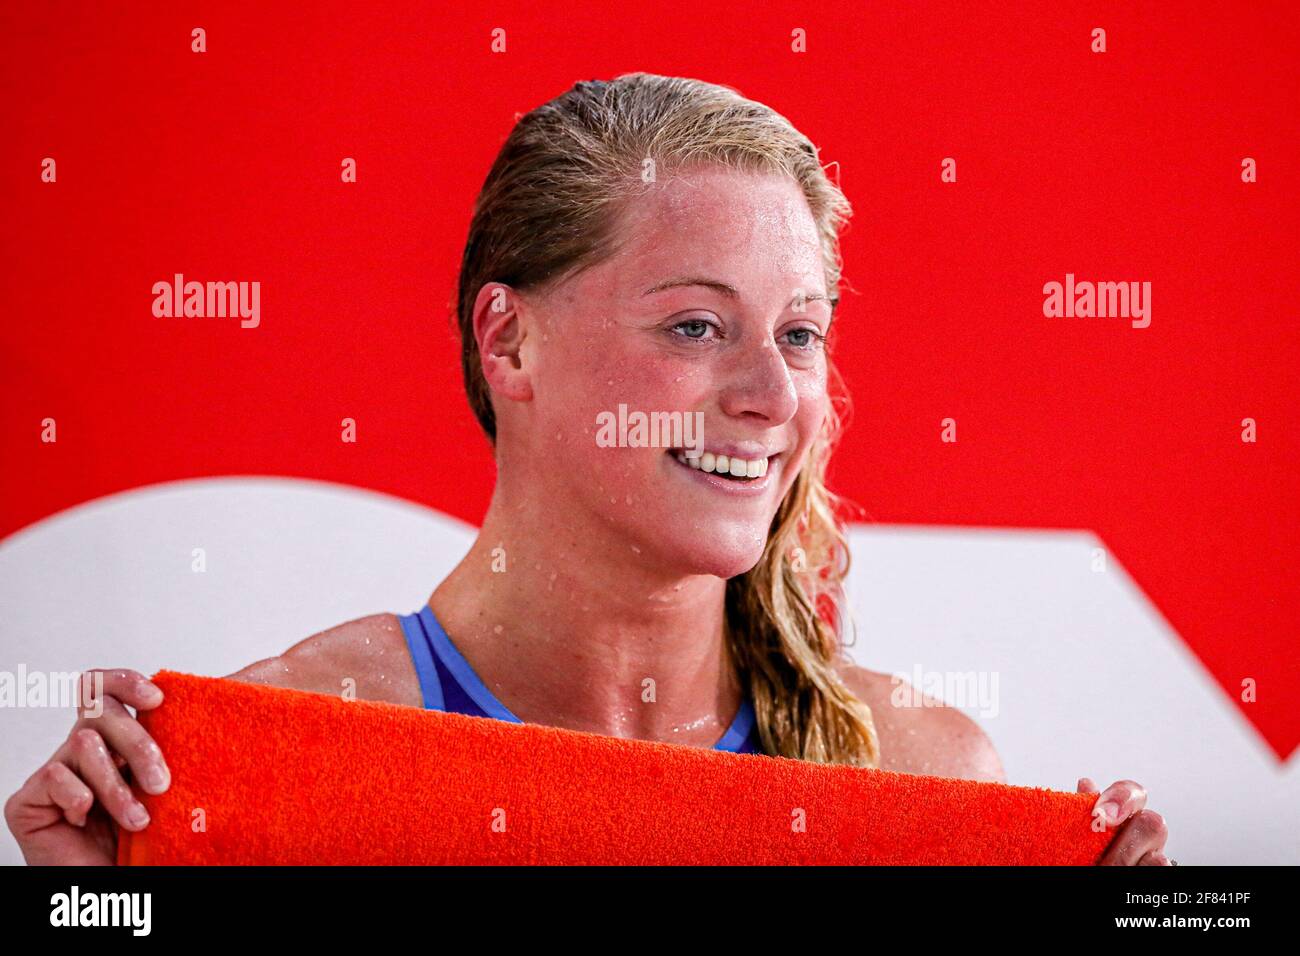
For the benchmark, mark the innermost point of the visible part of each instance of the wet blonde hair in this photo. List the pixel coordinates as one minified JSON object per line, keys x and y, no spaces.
{"x":548,"y":209}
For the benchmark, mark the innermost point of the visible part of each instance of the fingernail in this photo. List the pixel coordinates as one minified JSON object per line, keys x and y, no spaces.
{"x":138,"y":816}
{"x":152,"y":692}
{"x":155,"y":779}
{"x":1110,"y":810}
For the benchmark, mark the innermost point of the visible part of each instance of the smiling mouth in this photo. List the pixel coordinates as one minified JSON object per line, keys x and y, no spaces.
{"x":740,"y":470}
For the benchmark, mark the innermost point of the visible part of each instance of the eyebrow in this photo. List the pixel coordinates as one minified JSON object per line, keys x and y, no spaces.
{"x":722,"y":288}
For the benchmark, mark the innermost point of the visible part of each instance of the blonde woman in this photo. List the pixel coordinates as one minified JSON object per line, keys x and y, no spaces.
{"x":649,"y":245}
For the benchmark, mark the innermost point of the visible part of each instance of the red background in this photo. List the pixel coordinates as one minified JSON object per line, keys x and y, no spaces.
{"x":1117,"y":166}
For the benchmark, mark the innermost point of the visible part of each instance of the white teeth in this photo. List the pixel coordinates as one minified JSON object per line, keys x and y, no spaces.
{"x":725,"y":465}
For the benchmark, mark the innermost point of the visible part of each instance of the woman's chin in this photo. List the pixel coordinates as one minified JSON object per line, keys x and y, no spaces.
{"x":723,"y":553}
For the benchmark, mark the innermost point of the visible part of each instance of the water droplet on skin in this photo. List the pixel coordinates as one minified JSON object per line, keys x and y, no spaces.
{"x":498,"y":629}
{"x":367,"y":640}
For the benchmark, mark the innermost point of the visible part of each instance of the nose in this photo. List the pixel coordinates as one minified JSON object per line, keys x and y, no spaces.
{"x":759,"y":386}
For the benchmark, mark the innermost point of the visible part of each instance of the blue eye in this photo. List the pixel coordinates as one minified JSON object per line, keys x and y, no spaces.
{"x":697,"y":329}
{"x":808,"y":338}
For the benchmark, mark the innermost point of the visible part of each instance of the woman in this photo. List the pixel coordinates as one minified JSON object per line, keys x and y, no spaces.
{"x":662,"y":246}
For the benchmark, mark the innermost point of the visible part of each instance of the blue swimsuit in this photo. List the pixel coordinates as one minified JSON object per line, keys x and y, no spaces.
{"x":450,"y":684}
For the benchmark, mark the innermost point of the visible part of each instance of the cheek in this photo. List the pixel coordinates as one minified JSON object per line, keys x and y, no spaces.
{"x":615,"y":372}
{"x":814,"y":407}
{"x":581,"y":386}
{"x":814,"y":402}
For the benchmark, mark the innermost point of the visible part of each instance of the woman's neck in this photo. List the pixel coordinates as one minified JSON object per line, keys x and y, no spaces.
{"x":572,"y":630}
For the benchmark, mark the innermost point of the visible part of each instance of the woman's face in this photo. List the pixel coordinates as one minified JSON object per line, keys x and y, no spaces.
{"x":715,"y":304}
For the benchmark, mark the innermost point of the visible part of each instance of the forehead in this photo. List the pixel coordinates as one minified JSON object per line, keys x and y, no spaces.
{"x":752,"y":230}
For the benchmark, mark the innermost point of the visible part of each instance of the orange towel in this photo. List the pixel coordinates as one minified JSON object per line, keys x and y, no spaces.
{"x":263,"y":775}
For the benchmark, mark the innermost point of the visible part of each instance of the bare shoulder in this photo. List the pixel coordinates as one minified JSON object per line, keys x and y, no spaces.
{"x":921,"y":735}
{"x":370,"y":650}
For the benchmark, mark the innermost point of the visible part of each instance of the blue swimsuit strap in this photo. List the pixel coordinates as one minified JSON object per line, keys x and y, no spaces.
{"x":426,"y":637}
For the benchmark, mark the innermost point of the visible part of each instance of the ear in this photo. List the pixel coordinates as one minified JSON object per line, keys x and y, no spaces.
{"x":500,"y":328}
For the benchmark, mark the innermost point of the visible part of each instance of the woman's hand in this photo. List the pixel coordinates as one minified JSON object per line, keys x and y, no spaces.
{"x":1142,"y":833}
{"x":68,"y":812}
